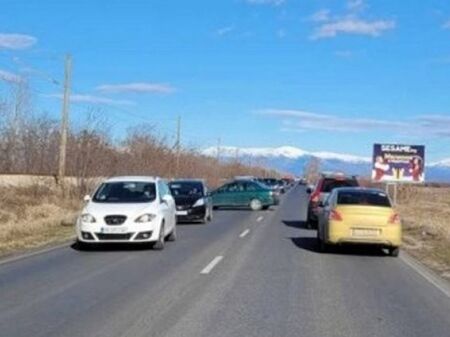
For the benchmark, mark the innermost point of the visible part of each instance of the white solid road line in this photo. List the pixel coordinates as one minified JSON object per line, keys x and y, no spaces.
{"x":37,"y":252}
{"x":260,"y":219}
{"x":211,"y":265}
{"x":427,"y":274}
{"x":244,"y":233}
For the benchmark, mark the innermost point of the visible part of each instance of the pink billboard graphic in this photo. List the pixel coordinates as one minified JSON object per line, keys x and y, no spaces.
{"x":398,"y":163}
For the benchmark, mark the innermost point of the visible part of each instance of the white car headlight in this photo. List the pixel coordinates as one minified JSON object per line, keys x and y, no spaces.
{"x":87,"y":218}
{"x":145,"y":218}
{"x":199,"y":202}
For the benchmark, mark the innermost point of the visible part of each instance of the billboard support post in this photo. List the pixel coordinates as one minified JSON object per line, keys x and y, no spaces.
{"x":394,"y":193}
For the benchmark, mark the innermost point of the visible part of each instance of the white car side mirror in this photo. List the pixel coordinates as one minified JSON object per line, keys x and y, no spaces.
{"x":87,"y":198}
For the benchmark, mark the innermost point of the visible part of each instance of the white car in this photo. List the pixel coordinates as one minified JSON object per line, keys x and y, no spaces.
{"x":128,"y":210}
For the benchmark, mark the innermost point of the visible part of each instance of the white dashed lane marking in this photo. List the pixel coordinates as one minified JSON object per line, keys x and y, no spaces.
{"x":211,"y":265}
{"x":244,"y":233}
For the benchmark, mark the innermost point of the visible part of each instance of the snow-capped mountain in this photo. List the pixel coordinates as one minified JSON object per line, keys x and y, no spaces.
{"x":283,"y":151}
{"x":293,"y":160}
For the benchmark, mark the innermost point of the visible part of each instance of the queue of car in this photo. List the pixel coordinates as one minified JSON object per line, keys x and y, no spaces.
{"x":345,"y":213}
{"x":146,"y":209}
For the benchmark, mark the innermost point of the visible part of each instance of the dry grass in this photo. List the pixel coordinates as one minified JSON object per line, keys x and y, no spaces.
{"x":34,"y":216}
{"x":425,"y":212}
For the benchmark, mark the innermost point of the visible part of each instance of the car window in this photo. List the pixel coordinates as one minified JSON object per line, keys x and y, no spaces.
{"x":251,"y":187}
{"x":187,"y":188}
{"x":235,"y":187}
{"x":163,"y":190}
{"x":125,"y":192}
{"x":368,"y":198}
{"x":330,"y":184}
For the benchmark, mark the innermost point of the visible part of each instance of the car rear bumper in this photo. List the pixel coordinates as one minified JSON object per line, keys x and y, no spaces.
{"x":388,"y":236}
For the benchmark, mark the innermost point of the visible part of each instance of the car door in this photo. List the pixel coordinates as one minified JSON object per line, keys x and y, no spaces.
{"x":165,"y":205}
{"x":172,"y":207}
{"x":251,"y":191}
{"x":324,"y":215}
{"x":219,"y":196}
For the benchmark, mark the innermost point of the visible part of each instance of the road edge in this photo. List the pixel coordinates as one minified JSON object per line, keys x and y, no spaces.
{"x":35,"y":252}
{"x":427,"y":273}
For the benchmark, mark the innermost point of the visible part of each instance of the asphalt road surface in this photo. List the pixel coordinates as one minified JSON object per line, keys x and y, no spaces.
{"x":245,"y":274}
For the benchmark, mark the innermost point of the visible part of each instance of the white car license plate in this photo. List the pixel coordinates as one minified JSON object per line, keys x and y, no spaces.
{"x":182,"y":213}
{"x":365,"y":232}
{"x":114,"y":230}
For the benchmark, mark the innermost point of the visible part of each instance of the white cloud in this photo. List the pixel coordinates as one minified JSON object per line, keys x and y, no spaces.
{"x":16,"y":41}
{"x":10,"y":77}
{"x":299,"y":121}
{"x":158,"y":88}
{"x":305,"y":120}
{"x":97,"y":100}
{"x":265,"y":2}
{"x":224,"y":30}
{"x":446,"y":25}
{"x":353,"y":26}
{"x":322,"y":15}
{"x":355,"y":5}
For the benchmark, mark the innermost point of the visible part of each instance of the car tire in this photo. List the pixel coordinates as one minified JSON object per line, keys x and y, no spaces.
{"x":173,"y":235}
{"x":210,"y":215}
{"x":256,"y":205}
{"x":80,"y":245}
{"x":159,"y":245}
{"x":322,"y":246}
{"x":265,"y":208}
{"x":394,"y":251}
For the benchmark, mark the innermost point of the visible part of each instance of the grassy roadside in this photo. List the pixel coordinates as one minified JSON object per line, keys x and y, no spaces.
{"x":425,"y":213}
{"x":34,"y":216}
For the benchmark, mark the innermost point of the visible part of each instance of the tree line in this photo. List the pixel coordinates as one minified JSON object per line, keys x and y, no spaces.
{"x":29,"y":144}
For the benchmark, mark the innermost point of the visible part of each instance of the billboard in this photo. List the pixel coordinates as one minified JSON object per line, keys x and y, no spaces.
{"x":398,"y":163}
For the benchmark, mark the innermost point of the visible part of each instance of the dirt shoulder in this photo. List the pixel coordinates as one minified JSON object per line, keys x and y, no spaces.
{"x":34,"y":216}
{"x":425,"y":213}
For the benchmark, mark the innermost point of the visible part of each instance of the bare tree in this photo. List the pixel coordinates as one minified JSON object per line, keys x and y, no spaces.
{"x":312,"y":170}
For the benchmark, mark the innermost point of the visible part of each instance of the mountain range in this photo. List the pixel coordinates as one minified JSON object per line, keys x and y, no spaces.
{"x":292,"y":160}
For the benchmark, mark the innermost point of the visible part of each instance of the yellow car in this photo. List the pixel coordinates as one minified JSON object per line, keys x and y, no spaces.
{"x":359,"y":215}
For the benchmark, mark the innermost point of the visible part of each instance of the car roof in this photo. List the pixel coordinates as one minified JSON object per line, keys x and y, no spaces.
{"x":133,"y":179}
{"x":359,"y":189}
{"x":187,"y":181}
{"x":334,"y":175}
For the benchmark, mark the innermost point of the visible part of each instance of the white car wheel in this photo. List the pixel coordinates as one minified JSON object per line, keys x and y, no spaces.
{"x":255,"y":205}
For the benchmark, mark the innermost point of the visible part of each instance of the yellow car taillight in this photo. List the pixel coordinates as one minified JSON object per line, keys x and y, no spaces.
{"x":394,"y":219}
{"x":335,"y":216}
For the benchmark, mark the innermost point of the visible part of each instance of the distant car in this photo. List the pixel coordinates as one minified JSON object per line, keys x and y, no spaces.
{"x":128,"y":210}
{"x":288,"y":182}
{"x":325,"y":185}
{"x":244,"y":193}
{"x":359,"y":215}
{"x":275,"y":184}
{"x":192,"y":200}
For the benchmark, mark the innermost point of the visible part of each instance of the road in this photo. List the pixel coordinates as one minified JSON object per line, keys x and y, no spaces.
{"x":245,"y":274}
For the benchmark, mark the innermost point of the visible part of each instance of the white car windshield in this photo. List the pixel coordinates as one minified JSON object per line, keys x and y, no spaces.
{"x":125,"y":192}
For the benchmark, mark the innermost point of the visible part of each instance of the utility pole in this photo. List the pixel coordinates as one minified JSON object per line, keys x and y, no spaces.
{"x":64,"y":119}
{"x":178,"y":146}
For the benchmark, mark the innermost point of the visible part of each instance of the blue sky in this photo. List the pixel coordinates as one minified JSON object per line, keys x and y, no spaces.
{"x":323,"y":75}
